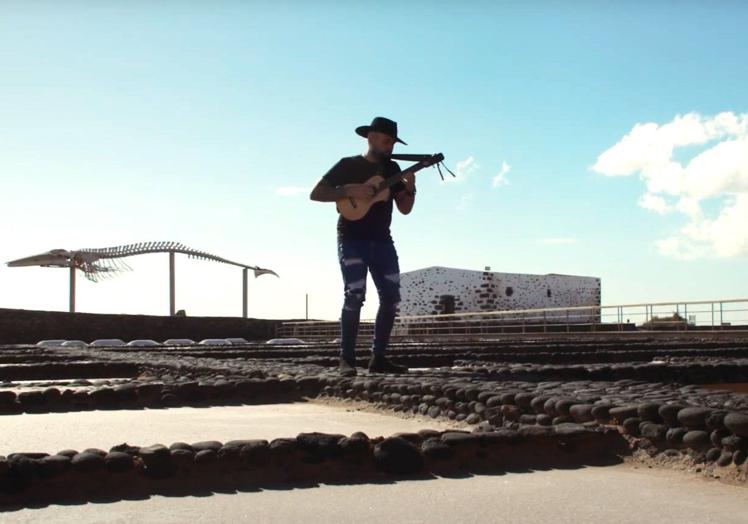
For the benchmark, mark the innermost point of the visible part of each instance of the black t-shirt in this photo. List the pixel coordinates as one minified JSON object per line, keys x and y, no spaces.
{"x":375,"y":225}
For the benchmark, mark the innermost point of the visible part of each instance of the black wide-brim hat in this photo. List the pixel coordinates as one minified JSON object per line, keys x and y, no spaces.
{"x":381,"y":125}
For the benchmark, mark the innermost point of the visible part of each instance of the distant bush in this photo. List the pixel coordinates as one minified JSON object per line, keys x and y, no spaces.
{"x":674,"y":321}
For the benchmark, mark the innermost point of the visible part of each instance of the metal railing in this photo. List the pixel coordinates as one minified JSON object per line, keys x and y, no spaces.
{"x":706,"y":315}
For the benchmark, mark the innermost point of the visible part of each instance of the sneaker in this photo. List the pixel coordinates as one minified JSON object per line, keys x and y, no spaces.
{"x":347,"y":367}
{"x":379,"y":364}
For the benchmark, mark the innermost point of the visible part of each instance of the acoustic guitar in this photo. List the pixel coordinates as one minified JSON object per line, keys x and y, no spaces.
{"x":356,"y":208}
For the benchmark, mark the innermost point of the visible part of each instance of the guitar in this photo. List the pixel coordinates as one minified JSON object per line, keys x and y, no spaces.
{"x":356,"y":208}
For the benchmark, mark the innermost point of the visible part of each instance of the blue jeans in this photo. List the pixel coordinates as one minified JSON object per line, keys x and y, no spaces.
{"x":357,"y":257}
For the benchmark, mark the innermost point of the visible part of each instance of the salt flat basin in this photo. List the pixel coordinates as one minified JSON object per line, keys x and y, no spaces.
{"x":616,"y":494}
{"x":52,"y":432}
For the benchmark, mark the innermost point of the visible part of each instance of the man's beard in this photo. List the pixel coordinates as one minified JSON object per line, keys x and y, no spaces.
{"x":382,"y":155}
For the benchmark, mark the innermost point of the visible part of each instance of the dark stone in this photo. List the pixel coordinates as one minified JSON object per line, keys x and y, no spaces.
{"x":563,"y":406}
{"x":104,"y":398}
{"x":318,"y":447}
{"x":544,"y":420}
{"x":181,"y":445}
{"x":737,"y":423}
{"x":119,"y":461}
{"x":207,"y":444}
{"x":126,"y":393}
{"x":157,"y":460}
{"x":95,"y":451}
{"x":434,"y":411}
{"x":435,"y":449}
{"x":398,"y":456}
{"x":620,"y":414}
{"x":631,"y":426}
{"x":182,"y":458}
{"x":282,"y":448}
{"x":54,"y":465}
{"x":675,"y":435}
{"x":426,"y":434}
{"x":538,"y":404}
{"x":601,"y":413}
{"x":649,"y":412}
{"x":31,"y":399}
{"x":715,"y":420}
{"x":206,"y":456}
{"x":535,"y":431}
{"x":694,"y":417}
{"x":125,"y":448}
{"x":582,"y":412}
{"x":717,"y":435}
{"x":524,"y":400}
{"x":713,"y":454}
{"x":355,"y":448}
{"x":52,"y":395}
{"x":254,"y":452}
{"x":7,"y":398}
{"x":734,"y":443}
{"x":653,"y":431}
{"x":25,"y":470}
{"x":528,"y":419}
{"x":739,"y":457}
{"x":458,"y":438}
{"x":70,"y":453}
{"x":669,"y":413}
{"x":725,"y":459}
{"x":415,"y":438}
{"x":511,"y":412}
{"x":697,"y":439}
{"x":88,"y":462}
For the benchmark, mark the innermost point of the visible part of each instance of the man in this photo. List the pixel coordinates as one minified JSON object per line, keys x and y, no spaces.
{"x":366,"y":244}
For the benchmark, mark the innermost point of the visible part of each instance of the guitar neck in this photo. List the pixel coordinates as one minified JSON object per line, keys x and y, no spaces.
{"x":391,"y":181}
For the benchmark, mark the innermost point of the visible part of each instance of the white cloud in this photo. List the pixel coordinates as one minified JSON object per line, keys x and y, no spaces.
{"x":717,"y":171}
{"x":463,"y":169}
{"x":558,"y":241}
{"x":499,"y":178}
{"x":465,"y":201}
{"x":291,"y":191}
{"x":654,"y":203}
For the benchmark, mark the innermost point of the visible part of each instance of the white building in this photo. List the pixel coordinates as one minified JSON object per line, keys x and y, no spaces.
{"x":438,"y":290}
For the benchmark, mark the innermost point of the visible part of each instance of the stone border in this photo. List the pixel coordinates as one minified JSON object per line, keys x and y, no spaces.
{"x":181,"y":468}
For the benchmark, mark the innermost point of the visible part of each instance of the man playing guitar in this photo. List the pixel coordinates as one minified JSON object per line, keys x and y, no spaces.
{"x":365,"y":243}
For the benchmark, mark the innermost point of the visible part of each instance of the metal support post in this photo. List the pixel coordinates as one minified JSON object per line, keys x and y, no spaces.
{"x":172,"y":293}
{"x":72,"y":287}
{"x":245,"y":283}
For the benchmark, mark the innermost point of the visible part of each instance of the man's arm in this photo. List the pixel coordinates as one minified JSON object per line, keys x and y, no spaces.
{"x":406,"y":197}
{"x":324,"y":192}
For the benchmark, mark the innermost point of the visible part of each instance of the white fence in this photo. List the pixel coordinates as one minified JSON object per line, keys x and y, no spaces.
{"x":661,"y":316}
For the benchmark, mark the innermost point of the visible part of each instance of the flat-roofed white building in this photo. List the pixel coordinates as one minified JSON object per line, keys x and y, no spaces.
{"x":439,"y":290}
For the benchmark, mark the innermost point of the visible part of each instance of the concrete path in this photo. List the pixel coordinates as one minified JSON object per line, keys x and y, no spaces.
{"x":617,"y":494}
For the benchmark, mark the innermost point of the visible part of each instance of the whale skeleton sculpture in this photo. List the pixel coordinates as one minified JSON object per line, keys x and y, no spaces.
{"x":107,"y":262}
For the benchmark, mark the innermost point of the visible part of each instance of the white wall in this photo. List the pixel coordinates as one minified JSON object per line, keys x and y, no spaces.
{"x":475,"y":291}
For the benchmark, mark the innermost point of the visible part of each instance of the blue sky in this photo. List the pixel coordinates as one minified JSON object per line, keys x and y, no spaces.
{"x":207,"y":124}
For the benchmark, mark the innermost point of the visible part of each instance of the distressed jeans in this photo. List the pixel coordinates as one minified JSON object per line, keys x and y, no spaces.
{"x":357,"y":257}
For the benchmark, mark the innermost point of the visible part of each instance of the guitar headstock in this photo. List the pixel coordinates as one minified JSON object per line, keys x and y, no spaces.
{"x":431,"y":160}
